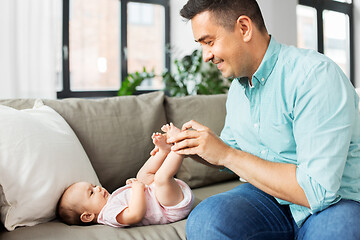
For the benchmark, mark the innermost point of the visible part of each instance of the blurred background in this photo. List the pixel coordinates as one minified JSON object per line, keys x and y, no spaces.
{"x":87,"y":48}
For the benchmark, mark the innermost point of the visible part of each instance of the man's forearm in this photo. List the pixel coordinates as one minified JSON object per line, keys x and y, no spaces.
{"x":199,"y":159}
{"x":276,"y":179}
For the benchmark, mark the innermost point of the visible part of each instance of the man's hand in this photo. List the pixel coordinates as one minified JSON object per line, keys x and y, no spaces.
{"x":201,"y":141}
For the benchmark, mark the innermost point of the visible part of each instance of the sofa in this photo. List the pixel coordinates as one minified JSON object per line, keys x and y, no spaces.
{"x":115,"y":135}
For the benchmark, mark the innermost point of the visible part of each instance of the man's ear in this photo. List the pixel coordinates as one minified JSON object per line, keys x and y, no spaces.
{"x":87,"y":217}
{"x":245,"y":26}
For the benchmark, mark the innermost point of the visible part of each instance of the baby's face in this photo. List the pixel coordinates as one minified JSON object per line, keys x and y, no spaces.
{"x":92,"y":198}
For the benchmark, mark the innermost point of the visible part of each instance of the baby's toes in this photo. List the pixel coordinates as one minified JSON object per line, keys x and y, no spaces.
{"x":165,"y":128}
{"x":155,"y":139}
{"x":155,"y":134}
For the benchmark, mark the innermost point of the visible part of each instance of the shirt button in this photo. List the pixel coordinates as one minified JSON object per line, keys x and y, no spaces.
{"x":256,"y":125}
{"x":262,"y":79}
{"x":263,"y":152}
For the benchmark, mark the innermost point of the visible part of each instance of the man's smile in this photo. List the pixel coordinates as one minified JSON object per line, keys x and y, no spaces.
{"x":218,"y":62}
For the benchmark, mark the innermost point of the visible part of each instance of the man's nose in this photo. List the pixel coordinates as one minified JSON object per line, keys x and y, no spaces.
{"x":207,"y":55}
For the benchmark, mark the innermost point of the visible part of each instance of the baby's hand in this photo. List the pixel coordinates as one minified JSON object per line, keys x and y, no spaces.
{"x":134,"y":183}
{"x":130,"y":181}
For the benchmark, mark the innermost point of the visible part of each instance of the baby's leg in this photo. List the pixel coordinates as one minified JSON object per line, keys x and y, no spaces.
{"x":147,"y":172}
{"x":168,"y":192}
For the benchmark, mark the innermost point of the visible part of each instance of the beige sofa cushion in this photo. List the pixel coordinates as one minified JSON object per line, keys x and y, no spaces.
{"x":210,"y":111}
{"x":18,"y":103}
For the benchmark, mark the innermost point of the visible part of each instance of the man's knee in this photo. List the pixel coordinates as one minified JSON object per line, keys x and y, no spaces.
{"x":227,"y":215}
{"x":205,"y":219}
{"x":204,"y":210}
{"x":339,"y":221}
{"x":218,"y":217}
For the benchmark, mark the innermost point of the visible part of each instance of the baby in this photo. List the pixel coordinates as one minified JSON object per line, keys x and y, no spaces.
{"x":153,"y":197}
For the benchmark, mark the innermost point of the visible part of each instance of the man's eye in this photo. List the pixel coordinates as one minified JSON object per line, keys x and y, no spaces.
{"x":91,"y":193}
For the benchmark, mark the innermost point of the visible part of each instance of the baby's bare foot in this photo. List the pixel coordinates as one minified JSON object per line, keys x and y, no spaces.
{"x":170,"y":130}
{"x":160,"y":141}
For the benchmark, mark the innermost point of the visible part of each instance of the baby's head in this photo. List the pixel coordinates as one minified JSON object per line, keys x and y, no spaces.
{"x":81,"y":203}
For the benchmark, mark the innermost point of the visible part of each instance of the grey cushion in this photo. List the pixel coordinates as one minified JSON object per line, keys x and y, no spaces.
{"x":210,"y":111}
{"x":18,"y":103}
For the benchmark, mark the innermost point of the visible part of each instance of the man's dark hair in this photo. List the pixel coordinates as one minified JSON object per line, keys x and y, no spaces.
{"x":226,"y":12}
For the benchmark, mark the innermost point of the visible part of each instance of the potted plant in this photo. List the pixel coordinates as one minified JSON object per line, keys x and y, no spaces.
{"x":192,"y":77}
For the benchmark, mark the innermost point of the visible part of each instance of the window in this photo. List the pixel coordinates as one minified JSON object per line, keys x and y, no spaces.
{"x":104,"y":40}
{"x":326,"y":26}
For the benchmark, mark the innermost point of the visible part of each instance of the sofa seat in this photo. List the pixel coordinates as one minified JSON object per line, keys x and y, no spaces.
{"x":56,"y":230}
{"x":115,"y":134}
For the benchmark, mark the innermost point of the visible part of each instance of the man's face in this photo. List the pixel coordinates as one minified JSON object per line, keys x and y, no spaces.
{"x":91,"y":198}
{"x":223,"y":47}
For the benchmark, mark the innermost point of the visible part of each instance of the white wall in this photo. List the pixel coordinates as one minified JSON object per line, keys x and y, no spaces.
{"x":280,"y":19}
{"x":279,"y":15}
{"x":182,"y":40}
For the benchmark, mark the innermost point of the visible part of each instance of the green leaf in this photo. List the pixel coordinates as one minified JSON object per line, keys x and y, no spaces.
{"x":132,"y":81}
{"x":190,"y":70}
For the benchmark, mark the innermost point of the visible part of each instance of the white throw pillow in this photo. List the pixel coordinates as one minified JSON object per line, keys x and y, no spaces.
{"x":40,"y":156}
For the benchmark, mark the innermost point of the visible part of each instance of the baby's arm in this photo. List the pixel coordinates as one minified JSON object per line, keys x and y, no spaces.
{"x":137,"y":206}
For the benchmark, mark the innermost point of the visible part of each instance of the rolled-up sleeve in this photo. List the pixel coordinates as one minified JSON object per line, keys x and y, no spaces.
{"x":324,"y":119}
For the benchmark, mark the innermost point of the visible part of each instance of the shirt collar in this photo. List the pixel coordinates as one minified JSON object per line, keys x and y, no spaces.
{"x":268,"y":63}
{"x":244,"y":81}
{"x":266,"y":66}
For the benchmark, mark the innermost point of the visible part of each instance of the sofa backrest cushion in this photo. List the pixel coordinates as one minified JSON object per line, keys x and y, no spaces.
{"x":115,"y":132}
{"x":210,"y":111}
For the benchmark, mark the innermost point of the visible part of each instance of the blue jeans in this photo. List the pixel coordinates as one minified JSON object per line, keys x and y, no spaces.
{"x":246,"y":212}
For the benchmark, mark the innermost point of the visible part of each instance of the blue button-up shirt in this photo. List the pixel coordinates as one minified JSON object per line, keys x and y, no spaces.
{"x":301,"y":110}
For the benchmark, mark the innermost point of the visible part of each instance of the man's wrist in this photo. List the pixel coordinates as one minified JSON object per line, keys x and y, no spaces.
{"x":231,"y":155}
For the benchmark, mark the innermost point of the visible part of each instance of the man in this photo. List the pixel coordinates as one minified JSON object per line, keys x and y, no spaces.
{"x":292,"y":131}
